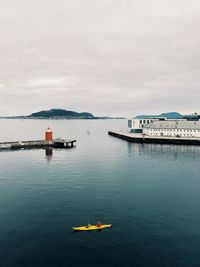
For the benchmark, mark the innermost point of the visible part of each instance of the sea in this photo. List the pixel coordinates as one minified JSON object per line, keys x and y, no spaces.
{"x":150,"y":193}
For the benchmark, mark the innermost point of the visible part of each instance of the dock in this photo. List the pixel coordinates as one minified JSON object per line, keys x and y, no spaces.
{"x":56,"y":143}
{"x":141,"y":138}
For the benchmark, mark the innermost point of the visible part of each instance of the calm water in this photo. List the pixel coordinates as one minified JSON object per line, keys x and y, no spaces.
{"x":150,"y":193}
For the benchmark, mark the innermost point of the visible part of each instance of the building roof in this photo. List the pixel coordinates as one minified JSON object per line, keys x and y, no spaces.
{"x":173,"y":125}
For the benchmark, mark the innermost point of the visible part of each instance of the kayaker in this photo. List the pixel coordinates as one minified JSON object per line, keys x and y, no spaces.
{"x":98,"y":224}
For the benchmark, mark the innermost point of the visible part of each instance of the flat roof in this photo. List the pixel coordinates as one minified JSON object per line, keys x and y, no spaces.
{"x":194,"y":125}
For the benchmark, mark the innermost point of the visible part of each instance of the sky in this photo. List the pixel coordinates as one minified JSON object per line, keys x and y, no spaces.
{"x":107,"y":57}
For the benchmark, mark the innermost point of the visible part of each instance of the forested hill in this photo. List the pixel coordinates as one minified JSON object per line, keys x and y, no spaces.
{"x":61,"y":113}
{"x":168,"y":115}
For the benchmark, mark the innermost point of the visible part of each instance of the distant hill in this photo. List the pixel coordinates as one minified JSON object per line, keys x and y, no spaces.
{"x":168,"y":115}
{"x":172,"y":115}
{"x":61,"y":114}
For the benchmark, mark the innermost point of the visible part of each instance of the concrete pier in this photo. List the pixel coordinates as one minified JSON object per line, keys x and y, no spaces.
{"x":57,"y":143}
{"x":140,"y":138}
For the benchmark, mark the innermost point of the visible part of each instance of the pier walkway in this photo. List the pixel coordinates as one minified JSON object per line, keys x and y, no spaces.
{"x":141,"y":138}
{"x":57,"y":143}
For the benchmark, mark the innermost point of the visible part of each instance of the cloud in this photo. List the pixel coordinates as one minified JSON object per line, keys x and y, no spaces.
{"x":108,"y":56}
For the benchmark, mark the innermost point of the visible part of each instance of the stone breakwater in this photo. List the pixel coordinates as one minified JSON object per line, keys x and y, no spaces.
{"x":141,"y":138}
{"x":57,"y":143}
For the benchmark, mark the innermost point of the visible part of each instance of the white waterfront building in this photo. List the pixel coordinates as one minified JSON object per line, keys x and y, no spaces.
{"x":165,"y":127}
{"x":178,"y":128}
{"x":137,"y":125}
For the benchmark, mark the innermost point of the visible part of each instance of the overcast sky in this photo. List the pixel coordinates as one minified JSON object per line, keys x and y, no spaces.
{"x":107,"y":57}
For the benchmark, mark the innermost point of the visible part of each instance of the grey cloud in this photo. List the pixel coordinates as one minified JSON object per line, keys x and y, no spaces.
{"x":102,"y":56}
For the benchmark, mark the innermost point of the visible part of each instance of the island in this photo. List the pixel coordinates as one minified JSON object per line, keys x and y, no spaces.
{"x":60,"y":114}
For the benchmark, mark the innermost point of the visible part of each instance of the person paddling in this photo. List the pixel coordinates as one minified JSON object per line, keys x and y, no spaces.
{"x":99,"y":224}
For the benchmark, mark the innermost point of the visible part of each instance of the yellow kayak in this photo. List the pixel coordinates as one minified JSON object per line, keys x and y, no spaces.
{"x":92,"y":227}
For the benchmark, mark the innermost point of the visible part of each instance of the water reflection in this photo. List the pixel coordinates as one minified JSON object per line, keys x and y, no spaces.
{"x":160,"y":150}
{"x":49,"y":153}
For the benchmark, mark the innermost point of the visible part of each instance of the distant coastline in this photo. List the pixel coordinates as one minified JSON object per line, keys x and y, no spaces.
{"x":167,"y":115}
{"x":60,"y":114}
{"x":59,"y":118}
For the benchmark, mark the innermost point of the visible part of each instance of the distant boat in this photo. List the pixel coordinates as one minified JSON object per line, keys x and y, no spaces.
{"x":88,"y":132}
